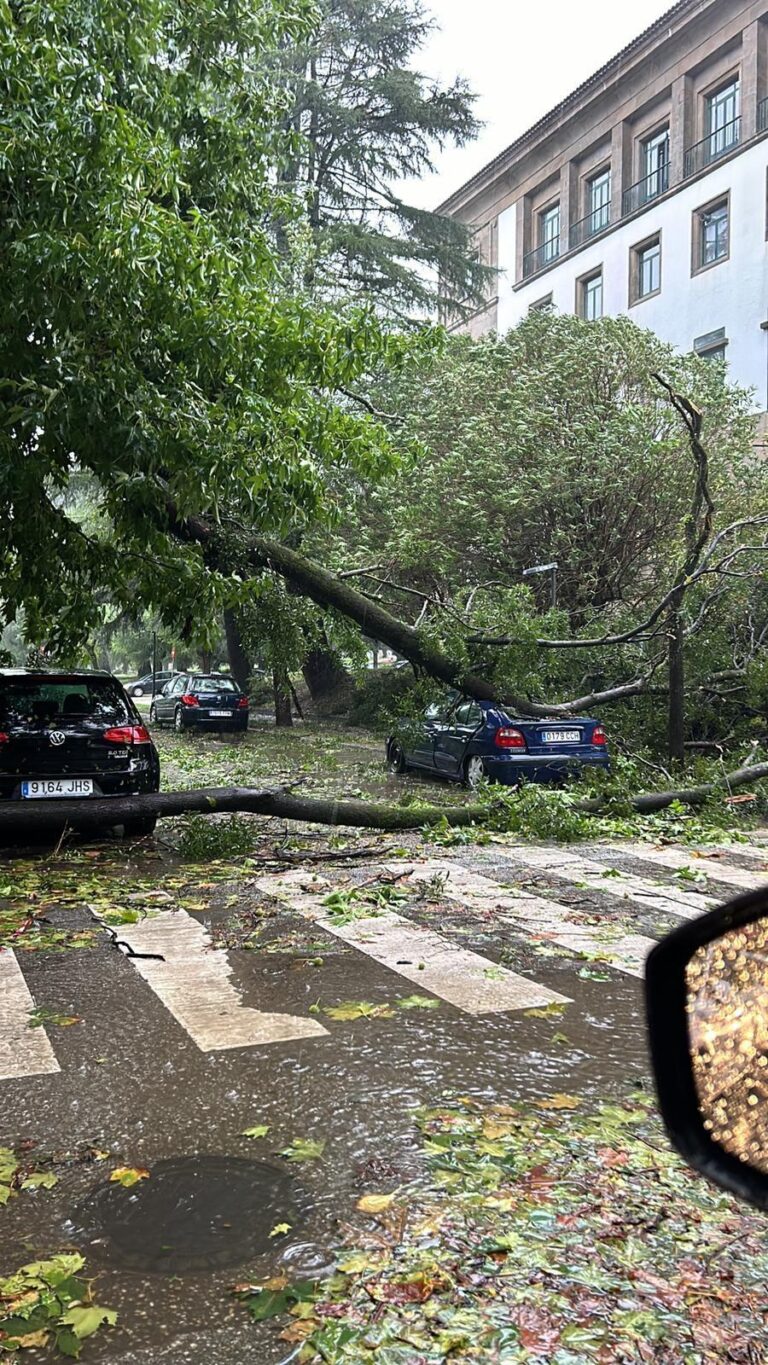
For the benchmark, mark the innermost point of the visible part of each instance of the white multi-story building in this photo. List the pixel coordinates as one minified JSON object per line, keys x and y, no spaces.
{"x":645,"y":192}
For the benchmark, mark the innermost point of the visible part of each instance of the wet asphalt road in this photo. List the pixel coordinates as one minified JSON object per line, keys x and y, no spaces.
{"x":134,"y":1084}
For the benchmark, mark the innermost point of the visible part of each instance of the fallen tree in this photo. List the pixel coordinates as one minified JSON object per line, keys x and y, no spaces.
{"x":22,"y":819}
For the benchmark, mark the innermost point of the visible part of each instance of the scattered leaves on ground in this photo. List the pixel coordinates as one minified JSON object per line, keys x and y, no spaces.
{"x":45,"y":1302}
{"x":551,"y":1238}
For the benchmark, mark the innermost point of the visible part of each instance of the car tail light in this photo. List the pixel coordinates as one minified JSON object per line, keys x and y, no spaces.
{"x":509,"y":738}
{"x":243,"y":702}
{"x":598,"y":735}
{"x":127,"y":734}
{"x":4,"y":738}
{"x":189,"y":700}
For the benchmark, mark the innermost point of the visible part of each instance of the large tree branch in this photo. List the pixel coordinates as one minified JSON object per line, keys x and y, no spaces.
{"x":18,"y":819}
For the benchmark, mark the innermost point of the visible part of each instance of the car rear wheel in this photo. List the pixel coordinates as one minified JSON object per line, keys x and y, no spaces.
{"x":178,"y":720}
{"x":474,"y":770}
{"x":396,"y":758}
{"x":153,"y":715}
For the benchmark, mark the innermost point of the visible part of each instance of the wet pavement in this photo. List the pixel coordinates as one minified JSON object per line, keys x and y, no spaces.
{"x":147,"y":1079}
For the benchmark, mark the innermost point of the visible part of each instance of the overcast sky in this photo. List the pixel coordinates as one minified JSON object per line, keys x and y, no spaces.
{"x":521,"y":59}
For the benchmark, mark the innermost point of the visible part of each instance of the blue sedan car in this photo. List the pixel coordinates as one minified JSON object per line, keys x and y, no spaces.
{"x":466,"y":741}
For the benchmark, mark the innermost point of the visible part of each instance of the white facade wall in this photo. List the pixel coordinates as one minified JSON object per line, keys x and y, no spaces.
{"x":732,"y":294}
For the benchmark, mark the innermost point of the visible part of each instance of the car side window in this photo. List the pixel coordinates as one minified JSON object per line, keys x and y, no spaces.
{"x":178,"y":686}
{"x":469,"y":713}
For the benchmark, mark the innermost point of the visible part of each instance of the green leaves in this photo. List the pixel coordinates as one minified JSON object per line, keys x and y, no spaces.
{"x":44,"y":1302}
{"x":259,"y":1130}
{"x":358,"y":1009}
{"x":304,"y":1149}
{"x":43,"y":1016}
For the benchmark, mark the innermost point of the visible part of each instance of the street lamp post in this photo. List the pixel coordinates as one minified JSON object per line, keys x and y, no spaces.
{"x":545,"y":568}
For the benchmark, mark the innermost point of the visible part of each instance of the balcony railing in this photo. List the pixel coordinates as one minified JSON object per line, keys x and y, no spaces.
{"x":588,"y":227}
{"x":645,"y":191}
{"x":543,"y":255}
{"x":762,"y":116}
{"x":716,"y":144}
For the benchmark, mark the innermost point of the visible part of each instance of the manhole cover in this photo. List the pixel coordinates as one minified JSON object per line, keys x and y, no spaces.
{"x":193,"y":1213}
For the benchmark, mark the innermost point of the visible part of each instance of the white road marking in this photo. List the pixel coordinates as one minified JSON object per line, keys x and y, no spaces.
{"x":677,"y":858}
{"x":757,"y":851}
{"x":548,"y":918}
{"x":464,"y":979}
{"x":591,"y":875}
{"x":24,"y":1051}
{"x":194,"y":983}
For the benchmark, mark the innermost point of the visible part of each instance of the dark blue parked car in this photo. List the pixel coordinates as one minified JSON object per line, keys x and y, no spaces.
{"x":469,"y":740}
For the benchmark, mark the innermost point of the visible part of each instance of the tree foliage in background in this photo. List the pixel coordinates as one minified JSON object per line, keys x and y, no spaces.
{"x":146,"y":341}
{"x":369,"y":119}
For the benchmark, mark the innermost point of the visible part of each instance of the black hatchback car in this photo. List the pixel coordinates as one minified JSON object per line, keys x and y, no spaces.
{"x":73,"y":734}
{"x":210,"y":701}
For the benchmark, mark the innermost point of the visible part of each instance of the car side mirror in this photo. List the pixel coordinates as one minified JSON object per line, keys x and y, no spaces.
{"x":707,"y":999}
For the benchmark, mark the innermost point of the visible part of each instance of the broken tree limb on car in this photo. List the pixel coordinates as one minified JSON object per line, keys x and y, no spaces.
{"x":20,"y":819}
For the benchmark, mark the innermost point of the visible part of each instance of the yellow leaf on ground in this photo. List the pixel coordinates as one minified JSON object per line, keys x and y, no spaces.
{"x":374,"y":1203}
{"x":559,"y":1102}
{"x":32,"y":1339}
{"x":128,"y":1175}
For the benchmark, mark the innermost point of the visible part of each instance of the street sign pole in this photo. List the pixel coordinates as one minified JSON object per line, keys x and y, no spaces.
{"x":154,"y":662}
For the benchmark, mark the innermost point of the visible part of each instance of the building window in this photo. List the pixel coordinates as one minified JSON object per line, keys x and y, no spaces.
{"x":722,"y":119}
{"x":549,"y":233}
{"x":655,"y":153}
{"x":645,"y":270}
{"x":711,"y":346}
{"x":711,"y":234}
{"x":541,"y":305}
{"x":590,"y":296}
{"x":599,"y":195}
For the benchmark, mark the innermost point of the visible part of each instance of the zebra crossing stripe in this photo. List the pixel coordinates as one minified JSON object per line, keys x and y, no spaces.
{"x":677,"y":859}
{"x":590,"y":874}
{"x":194,"y":983}
{"x":545,"y":918}
{"x":757,"y":851}
{"x":24,"y":1051}
{"x":462,"y":978}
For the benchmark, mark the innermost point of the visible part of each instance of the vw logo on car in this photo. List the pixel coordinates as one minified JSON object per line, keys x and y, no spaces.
{"x":57,"y":737}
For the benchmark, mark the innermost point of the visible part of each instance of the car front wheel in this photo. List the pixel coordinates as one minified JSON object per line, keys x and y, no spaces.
{"x":396,"y":758}
{"x":137,"y":692}
{"x":474,"y":771}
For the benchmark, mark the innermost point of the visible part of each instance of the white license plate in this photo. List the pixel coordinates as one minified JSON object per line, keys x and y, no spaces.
{"x":57,"y":786}
{"x":561,"y":736}
{"x":220,"y":714}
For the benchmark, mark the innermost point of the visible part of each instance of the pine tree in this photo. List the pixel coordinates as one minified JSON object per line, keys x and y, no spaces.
{"x":370,"y":120}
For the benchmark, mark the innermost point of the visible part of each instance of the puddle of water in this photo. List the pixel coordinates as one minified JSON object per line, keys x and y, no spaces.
{"x":194,"y":1213}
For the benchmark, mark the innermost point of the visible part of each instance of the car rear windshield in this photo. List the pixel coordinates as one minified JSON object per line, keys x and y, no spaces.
{"x":213,"y":685}
{"x":47,"y":701}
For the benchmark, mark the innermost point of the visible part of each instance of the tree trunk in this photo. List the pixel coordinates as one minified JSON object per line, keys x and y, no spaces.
{"x":324,"y":675}
{"x":22,"y":818}
{"x":239,"y":663}
{"x":676,"y":704}
{"x":282,"y":690}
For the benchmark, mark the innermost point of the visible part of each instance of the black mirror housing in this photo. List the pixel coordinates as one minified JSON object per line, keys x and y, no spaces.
{"x":681,"y":1046}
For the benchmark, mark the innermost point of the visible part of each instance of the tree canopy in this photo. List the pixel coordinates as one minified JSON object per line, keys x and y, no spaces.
{"x":370,"y":120}
{"x":146,"y":340}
